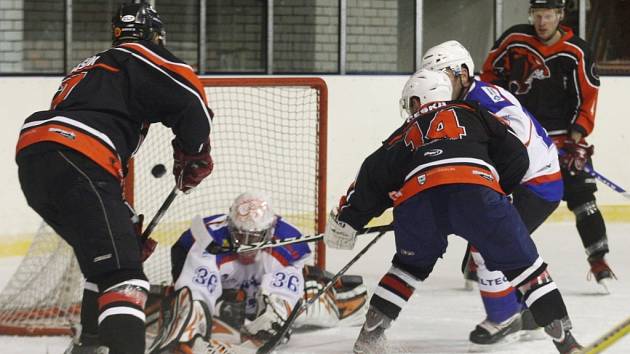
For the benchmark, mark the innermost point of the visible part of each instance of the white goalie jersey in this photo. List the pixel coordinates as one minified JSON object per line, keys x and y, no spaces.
{"x":276,"y":271}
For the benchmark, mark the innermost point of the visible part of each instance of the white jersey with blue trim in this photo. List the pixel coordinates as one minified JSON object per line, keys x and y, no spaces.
{"x":276,"y":270}
{"x":543,"y":174}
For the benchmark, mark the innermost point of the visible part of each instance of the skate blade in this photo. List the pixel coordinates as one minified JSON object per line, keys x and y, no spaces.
{"x":500,"y":345}
{"x":603,"y":286}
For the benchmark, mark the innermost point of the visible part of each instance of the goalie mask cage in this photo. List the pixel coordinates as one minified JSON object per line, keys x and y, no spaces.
{"x":268,"y":134}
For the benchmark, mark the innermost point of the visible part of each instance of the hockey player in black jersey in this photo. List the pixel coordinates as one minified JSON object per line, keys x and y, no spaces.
{"x":72,"y":160}
{"x":552,"y":73}
{"x":447,"y":170}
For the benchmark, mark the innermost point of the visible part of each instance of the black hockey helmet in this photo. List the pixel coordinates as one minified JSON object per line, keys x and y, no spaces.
{"x":135,"y":22}
{"x":546,"y":4}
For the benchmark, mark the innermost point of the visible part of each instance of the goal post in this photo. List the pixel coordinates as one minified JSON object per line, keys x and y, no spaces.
{"x":268,"y":134}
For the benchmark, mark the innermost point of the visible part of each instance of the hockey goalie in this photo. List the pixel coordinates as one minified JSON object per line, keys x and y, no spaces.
{"x":241,"y":300}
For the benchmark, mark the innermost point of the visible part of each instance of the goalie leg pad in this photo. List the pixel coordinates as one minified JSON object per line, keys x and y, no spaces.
{"x":189,"y":320}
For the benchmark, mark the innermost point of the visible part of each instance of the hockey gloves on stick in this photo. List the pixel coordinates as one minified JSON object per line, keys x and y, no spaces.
{"x":190,"y":169}
{"x":272,"y":313}
{"x":575,"y":155}
{"x":148,"y":245}
{"x":339,"y":234}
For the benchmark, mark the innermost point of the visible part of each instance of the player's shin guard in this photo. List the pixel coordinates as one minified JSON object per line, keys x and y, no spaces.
{"x":498,"y":295}
{"x":393,"y":292}
{"x":592,"y":229}
{"x":121,"y":316}
{"x":542,"y":297}
{"x":539,"y":292}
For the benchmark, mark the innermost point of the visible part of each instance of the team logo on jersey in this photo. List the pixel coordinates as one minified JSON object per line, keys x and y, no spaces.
{"x":531,"y":65}
{"x":422,"y":179}
{"x":493,"y":94}
{"x":433,"y":152}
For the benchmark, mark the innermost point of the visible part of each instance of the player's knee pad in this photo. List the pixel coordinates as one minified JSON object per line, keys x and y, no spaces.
{"x":393,"y":291}
{"x":579,"y":202}
{"x":125,"y":298}
{"x":418,"y":272}
{"x":539,"y":292}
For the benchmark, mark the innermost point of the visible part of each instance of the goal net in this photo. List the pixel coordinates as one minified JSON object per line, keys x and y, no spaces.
{"x":268,"y":134}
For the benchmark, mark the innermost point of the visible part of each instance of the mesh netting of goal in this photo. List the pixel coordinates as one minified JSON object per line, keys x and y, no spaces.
{"x":269,"y":134}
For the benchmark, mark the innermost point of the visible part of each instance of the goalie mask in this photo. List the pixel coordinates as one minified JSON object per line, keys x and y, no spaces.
{"x":251,"y":220}
{"x":134,"y":22}
{"x":428,"y":86}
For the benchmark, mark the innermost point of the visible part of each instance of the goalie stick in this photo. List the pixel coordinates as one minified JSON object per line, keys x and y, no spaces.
{"x":301,"y":305}
{"x":214,"y":248}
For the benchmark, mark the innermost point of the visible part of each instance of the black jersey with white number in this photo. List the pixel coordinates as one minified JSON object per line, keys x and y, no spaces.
{"x":105,"y":105}
{"x":454,"y":142}
{"x":558,"y":84}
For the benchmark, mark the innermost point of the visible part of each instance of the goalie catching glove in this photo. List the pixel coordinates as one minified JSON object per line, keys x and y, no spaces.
{"x":339,"y":234}
{"x":190,"y":169}
{"x":272,"y":313}
{"x":576,"y":155}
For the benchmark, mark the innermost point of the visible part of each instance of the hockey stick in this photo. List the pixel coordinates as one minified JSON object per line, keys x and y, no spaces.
{"x":301,"y":305}
{"x":609,"y":338}
{"x":214,"y":248}
{"x":159,"y":214}
{"x":588,"y":168}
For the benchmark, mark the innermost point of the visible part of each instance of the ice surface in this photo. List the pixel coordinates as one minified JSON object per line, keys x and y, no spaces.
{"x":440,"y":314}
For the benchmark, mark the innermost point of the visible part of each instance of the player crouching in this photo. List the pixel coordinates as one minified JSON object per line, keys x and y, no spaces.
{"x":246,"y":297}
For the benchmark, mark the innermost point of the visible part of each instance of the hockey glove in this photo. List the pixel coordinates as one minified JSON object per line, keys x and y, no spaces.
{"x":272,"y":313}
{"x":190,"y":169}
{"x":339,"y":234}
{"x":575,"y":155}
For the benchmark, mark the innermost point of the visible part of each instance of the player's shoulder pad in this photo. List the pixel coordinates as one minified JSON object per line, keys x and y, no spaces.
{"x":217,"y":229}
{"x":284,"y":229}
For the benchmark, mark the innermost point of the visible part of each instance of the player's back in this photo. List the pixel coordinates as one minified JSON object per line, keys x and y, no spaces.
{"x":543,"y":155}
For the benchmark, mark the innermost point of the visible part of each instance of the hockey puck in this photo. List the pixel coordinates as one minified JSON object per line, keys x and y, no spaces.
{"x":158,"y":170}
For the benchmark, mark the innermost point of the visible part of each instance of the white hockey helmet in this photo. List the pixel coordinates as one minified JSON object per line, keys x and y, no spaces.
{"x":251,"y":218}
{"x":428,"y":86}
{"x":450,"y":54}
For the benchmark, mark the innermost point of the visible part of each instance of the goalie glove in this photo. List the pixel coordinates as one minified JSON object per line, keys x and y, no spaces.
{"x":339,"y":234}
{"x":272,"y":313}
{"x":576,"y":155}
{"x":190,"y":169}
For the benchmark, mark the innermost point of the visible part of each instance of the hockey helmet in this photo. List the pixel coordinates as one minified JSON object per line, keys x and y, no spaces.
{"x":428,"y":86}
{"x":136,"y":22}
{"x":251,"y":219}
{"x":546,"y":4}
{"x":451,"y":55}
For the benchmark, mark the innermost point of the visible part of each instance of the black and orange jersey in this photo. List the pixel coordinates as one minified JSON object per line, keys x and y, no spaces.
{"x":557,"y":83}
{"x":104,"y":106}
{"x":454,"y":142}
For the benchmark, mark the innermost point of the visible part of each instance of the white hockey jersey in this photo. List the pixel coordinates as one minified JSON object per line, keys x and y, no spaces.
{"x":543,"y":176}
{"x":275,"y":270}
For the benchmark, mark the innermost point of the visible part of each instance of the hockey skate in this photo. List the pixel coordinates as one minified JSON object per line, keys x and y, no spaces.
{"x":372,"y":336}
{"x":488,"y":332}
{"x":602,"y":272}
{"x":84,"y":343}
{"x":560,"y":332}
